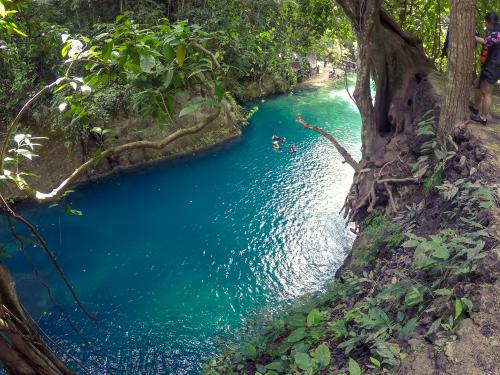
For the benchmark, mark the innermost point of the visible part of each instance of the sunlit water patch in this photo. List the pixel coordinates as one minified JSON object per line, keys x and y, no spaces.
{"x":173,"y":256}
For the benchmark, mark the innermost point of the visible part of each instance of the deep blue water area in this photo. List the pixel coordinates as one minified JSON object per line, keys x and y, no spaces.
{"x":172,"y":256}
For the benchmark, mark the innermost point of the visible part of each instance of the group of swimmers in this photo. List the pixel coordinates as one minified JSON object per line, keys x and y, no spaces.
{"x":276,"y":144}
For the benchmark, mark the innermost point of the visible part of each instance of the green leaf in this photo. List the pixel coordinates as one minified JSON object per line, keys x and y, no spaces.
{"x":354,"y":368}
{"x":219,"y":90}
{"x":180,"y":54}
{"x":3,"y":11}
{"x":249,"y":351}
{"x":194,"y":106}
{"x":107,"y":50}
{"x":322,"y":355}
{"x":296,"y":320}
{"x":440,"y":252}
{"x":313,"y":318}
{"x":458,"y":308}
{"x":69,"y":210}
{"x":97,"y":158}
{"x":297,"y":335}
{"x":303,"y":361}
{"x":444,"y":292}
{"x":468,"y":304}
{"x":276,"y":366}
{"x":413,"y":297}
{"x":168,"y":78}
{"x":408,"y":328}
{"x":434,"y":326}
{"x":375,"y":361}
{"x":147,"y":63}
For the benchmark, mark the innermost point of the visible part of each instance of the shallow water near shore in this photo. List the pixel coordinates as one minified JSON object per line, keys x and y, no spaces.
{"x":170,"y":257}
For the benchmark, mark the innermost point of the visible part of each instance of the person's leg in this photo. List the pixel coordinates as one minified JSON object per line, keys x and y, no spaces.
{"x":487,"y":93}
{"x":477,"y":95}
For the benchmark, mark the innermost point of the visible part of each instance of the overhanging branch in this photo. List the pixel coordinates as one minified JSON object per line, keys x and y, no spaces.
{"x":342,"y":151}
{"x":59,"y":190}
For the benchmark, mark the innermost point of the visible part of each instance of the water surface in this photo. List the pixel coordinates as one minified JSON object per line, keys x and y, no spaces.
{"x":172,"y":256}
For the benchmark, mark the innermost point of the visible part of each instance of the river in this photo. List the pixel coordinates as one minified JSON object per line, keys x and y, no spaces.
{"x":172,"y":256}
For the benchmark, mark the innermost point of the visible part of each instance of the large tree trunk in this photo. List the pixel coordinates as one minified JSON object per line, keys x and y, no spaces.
{"x":460,"y":65}
{"x":22,"y":351}
{"x":397,"y":63}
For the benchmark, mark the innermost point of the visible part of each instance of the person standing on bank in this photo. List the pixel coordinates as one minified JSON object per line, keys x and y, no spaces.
{"x":490,"y":70}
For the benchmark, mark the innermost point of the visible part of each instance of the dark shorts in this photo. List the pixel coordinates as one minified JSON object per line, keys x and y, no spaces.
{"x":490,"y":73}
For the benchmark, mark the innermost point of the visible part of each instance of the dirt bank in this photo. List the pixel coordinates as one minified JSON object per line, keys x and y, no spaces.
{"x":57,"y":160}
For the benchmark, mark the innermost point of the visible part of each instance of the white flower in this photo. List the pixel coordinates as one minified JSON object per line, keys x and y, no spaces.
{"x":63,"y":106}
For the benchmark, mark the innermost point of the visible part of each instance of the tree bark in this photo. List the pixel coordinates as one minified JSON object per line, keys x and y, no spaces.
{"x":397,"y":64}
{"x":460,"y":66}
{"x":22,"y":351}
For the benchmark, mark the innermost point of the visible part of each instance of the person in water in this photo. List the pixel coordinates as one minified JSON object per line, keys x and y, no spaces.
{"x":490,"y":70}
{"x":283,"y":140}
{"x":275,"y":138}
{"x":276,"y":145}
{"x":293,"y":149}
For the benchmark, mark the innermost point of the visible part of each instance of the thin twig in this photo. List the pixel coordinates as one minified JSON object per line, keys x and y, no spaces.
{"x":51,"y":255}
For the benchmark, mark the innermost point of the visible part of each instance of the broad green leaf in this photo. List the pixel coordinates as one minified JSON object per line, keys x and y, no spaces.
{"x":303,"y":361}
{"x":249,"y":351}
{"x":147,"y":63}
{"x":219,"y":90}
{"x":408,"y":328}
{"x":168,"y":78}
{"x":276,"y":366}
{"x":193,"y":107}
{"x":375,"y":361}
{"x":180,"y":54}
{"x":468,"y":303}
{"x":107,"y":49}
{"x":439,"y":251}
{"x":444,"y":292}
{"x":3,"y":11}
{"x":354,"y":368}
{"x":297,"y":335}
{"x":313,"y":318}
{"x":296,"y":320}
{"x":97,"y":158}
{"x":458,"y":308}
{"x":413,"y":297}
{"x":322,"y":355}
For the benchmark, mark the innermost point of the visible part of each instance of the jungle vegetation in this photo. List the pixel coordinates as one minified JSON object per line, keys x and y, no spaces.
{"x":72,"y":65}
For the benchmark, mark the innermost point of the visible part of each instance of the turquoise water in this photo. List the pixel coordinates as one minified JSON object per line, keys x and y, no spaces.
{"x":171,"y":257}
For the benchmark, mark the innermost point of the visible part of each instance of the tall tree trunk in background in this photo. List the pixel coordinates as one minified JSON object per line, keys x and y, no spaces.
{"x":460,"y":66}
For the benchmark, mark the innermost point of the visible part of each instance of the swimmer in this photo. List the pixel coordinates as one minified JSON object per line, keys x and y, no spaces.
{"x":293,"y":149}
{"x":276,"y":145}
{"x":283,"y":140}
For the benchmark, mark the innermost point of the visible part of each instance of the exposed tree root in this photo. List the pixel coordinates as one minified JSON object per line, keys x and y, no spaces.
{"x":21,"y":349}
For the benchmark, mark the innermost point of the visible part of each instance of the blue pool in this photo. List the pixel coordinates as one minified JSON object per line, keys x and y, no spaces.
{"x":173,"y":256}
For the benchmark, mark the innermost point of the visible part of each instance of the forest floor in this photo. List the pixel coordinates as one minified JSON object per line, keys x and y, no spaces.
{"x":476,"y":346}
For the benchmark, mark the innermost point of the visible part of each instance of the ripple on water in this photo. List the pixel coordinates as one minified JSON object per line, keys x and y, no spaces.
{"x":169,"y":258}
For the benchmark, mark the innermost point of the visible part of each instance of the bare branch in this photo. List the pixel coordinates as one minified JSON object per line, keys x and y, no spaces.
{"x":51,"y":255}
{"x":347,"y":157}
